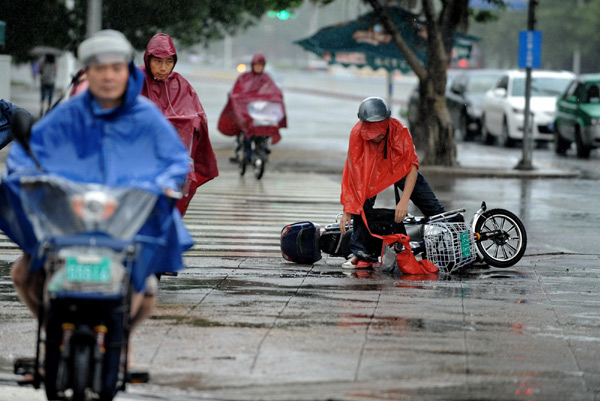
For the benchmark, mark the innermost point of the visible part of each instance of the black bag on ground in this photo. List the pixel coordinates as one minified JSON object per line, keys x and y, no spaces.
{"x":300,"y":242}
{"x":333,"y":243}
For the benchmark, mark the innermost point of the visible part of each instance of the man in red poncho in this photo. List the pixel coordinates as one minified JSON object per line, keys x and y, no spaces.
{"x":380,"y":154}
{"x":254,"y":85}
{"x":179,"y":103}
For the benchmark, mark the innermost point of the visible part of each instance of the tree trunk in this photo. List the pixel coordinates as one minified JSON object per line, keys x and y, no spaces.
{"x":433,"y":133}
{"x":440,"y":149}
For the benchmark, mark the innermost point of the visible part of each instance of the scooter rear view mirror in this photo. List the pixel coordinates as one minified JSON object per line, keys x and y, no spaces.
{"x":20,"y":126}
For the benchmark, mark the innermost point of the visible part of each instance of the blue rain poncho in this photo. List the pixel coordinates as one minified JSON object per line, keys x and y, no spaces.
{"x":131,"y":145}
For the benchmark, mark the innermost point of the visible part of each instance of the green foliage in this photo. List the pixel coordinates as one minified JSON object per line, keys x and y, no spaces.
{"x":30,"y":23}
{"x":48,"y":22}
{"x":190,"y":21}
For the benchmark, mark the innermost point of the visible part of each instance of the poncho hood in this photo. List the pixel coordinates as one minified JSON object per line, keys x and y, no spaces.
{"x":372,"y":167}
{"x":161,"y":45}
{"x":179,"y":103}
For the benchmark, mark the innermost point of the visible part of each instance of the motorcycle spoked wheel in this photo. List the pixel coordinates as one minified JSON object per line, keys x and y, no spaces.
{"x":260,"y":156}
{"x":504,"y":238}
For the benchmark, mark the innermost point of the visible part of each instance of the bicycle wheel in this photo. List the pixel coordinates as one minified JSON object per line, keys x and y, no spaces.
{"x":503,"y":239}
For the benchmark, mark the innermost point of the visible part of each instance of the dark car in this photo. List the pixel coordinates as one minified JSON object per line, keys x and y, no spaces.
{"x":465,"y":90}
{"x":464,"y":100}
{"x":577,"y":116}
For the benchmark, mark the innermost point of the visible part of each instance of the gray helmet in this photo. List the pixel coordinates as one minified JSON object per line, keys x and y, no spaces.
{"x":373,"y":109}
{"x":104,"y":47}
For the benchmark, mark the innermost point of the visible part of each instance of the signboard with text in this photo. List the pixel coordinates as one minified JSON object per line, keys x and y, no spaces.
{"x":530,"y":49}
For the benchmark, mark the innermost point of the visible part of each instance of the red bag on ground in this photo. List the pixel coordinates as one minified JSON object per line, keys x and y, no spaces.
{"x":407,"y":262}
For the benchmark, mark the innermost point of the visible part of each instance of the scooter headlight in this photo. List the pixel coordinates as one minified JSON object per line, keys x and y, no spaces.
{"x":93,"y":206}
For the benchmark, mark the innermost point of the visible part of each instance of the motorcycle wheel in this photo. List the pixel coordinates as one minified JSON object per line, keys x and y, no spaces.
{"x":504,"y":238}
{"x":259,"y":168}
{"x":260,"y":158}
{"x":81,"y":370}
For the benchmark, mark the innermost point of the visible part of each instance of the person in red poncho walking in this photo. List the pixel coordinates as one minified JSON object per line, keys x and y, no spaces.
{"x":236,"y":118}
{"x":179,"y":103}
{"x":380,"y":154}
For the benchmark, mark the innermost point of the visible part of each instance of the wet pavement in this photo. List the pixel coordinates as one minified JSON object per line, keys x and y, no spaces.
{"x":246,"y":328}
{"x":249,"y":329}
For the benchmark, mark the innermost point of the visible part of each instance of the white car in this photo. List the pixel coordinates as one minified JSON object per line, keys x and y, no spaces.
{"x":504,"y":106}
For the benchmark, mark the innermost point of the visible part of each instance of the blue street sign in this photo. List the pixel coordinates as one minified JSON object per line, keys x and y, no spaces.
{"x":530,"y":49}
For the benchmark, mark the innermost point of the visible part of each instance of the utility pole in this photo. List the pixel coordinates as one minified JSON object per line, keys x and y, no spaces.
{"x":526,"y":161}
{"x":577,"y":50}
{"x":94,"y":17}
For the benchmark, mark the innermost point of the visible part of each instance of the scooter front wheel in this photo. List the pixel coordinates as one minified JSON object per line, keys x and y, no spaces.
{"x":503,"y":239}
{"x":260,"y":159}
{"x":81,"y":370}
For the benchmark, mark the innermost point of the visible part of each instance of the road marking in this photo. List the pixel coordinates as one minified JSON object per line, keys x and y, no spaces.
{"x":233,"y":216}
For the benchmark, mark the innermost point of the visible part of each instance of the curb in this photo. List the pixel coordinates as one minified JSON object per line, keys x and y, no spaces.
{"x":498,"y":173}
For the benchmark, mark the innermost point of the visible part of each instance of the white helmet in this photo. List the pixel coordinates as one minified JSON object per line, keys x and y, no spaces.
{"x":104,"y":47}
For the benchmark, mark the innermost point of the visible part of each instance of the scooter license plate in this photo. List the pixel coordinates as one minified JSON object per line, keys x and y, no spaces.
{"x":465,"y":245}
{"x":88,"y":269}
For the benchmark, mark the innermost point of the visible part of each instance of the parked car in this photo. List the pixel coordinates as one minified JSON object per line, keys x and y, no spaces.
{"x":504,"y":106}
{"x":465,"y":100}
{"x":578,"y":116}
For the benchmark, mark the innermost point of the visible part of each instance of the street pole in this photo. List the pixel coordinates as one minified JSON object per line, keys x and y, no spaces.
{"x":94,"y":17}
{"x":526,"y":161}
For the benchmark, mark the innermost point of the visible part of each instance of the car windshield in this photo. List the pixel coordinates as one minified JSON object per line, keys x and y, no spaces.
{"x":541,"y":87}
{"x":481,"y":84}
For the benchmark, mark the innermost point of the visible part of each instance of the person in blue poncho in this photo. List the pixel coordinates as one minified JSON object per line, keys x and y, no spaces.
{"x":111,"y":135}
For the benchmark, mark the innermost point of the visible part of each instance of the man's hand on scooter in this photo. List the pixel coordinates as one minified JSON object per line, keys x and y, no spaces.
{"x":345,"y":221}
{"x":171,"y":193}
{"x":401,"y":211}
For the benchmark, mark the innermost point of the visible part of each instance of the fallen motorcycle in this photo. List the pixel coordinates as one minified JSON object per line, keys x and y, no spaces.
{"x":496,"y":237}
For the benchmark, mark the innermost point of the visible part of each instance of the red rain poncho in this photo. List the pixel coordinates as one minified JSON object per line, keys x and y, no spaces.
{"x":247,"y":88}
{"x":178,"y":101}
{"x":372,"y":167}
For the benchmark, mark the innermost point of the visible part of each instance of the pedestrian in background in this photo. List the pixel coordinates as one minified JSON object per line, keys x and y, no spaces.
{"x":47,"y":81}
{"x":179,"y":103}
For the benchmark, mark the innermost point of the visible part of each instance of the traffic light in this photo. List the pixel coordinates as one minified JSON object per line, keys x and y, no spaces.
{"x":282,"y":14}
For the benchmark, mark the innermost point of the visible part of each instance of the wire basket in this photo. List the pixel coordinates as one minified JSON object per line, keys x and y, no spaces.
{"x":449,"y":246}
